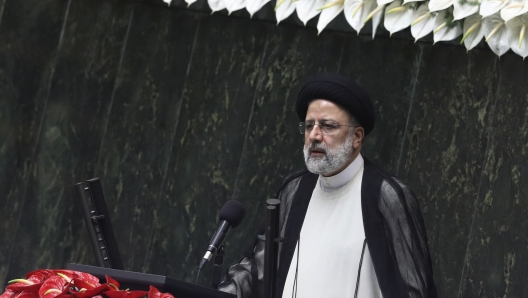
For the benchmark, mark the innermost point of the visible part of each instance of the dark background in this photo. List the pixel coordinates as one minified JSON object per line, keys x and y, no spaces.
{"x":177,"y":111}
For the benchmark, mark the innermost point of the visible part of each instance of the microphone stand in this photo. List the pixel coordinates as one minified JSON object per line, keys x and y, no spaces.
{"x":271,"y":247}
{"x":217,"y":268}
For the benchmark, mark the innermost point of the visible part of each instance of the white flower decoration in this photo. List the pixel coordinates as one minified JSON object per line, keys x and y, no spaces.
{"x":437,"y":5}
{"x":328,"y":12}
{"x":513,"y":9}
{"x":489,"y":7}
{"x":497,"y":34}
{"x":423,"y":23}
{"x":398,"y":16}
{"x":234,"y":5}
{"x":252,"y":6}
{"x":518,"y":37}
{"x":189,"y":2}
{"x":216,"y":5}
{"x":375,"y":15}
{"x":465,"y":8}
{"x":445,"y":27}
{"x":307,"y":9}
{"x":284,"y":9}
{"x":356,"y":12}
{"x":473,"y":31}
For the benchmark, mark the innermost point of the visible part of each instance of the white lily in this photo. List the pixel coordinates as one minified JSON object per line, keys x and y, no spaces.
{"x":437,"y":5}
{"x":189,"y":2}
{"x":216,"y":5}
{"x":384,"y":2}
{"x":513,"y":9}
{"x":328,"y":12}
{"x":307,"y":9}
{"x":234,"y":5}
{"x":168,"y":2}
{"x":489,"y":7}
{"x":518,"y":35}
{"x":497,"y":34}
{"x":284,"y":9}
{"x":473,"y":31}
{"x":398,"y":16}
{"x":465,"y":8}
{"x":253,"y":6}
{"x":445,"y":28}
{"x":423,"y":23}
{"x":356,"y":11}
{"x":375,"y":15}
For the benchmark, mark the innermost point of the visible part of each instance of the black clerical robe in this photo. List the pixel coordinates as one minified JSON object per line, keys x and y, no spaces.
{"x":394,"y":230}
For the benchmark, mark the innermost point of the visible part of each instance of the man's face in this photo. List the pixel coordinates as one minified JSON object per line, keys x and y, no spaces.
{"x":328,"y":154}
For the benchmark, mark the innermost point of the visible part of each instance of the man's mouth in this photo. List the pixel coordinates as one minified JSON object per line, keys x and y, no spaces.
{"x":317,"y":152}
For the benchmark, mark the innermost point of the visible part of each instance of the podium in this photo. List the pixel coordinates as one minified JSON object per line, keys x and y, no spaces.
{"x":142,"y":281}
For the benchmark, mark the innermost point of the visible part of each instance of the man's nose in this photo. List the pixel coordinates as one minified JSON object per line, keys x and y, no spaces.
{"x":316,"y":134}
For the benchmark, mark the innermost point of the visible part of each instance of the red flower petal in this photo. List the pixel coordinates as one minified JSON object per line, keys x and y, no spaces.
{"x":54,"y":283}
{"x":7,"y":294}
{"x":26,"y":294}
{"x":153,"y":293}
{"x":126,"y":294}
{"x":19,"y":287}
{"x":80,"y":275}
{"x":80,"y":284}
{"x":38,"y":276}
{"x":112,"y":282}
{"x":91,"y":292}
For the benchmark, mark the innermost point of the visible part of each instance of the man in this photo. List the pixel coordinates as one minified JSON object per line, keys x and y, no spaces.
{"x":350,"y":229}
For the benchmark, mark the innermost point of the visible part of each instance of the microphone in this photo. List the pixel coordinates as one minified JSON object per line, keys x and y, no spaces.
{"x":230,"y":216}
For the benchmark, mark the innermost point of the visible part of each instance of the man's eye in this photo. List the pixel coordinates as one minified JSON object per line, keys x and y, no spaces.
{"x":328,"y":127}
{"x":309,"y":126}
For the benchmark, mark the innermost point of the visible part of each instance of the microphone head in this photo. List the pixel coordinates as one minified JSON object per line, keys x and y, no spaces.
{"x":233,"y":212}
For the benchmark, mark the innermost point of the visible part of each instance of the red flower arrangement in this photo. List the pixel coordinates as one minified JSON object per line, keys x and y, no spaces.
{"x":48,"y":283}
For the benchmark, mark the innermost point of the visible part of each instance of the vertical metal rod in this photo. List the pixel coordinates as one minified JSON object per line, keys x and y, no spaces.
{"x":99,"y":258}
{"x":271,"y":247}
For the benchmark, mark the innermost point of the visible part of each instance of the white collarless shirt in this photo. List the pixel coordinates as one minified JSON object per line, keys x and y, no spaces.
{"x":331,"y":242}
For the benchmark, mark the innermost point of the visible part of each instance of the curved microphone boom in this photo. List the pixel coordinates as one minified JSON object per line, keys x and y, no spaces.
{"x":230,"y":216}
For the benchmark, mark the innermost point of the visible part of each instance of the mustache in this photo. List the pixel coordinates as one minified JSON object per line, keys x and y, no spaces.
{"x":318,"y":146}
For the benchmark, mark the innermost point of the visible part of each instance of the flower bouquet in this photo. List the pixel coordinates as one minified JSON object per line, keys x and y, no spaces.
{"x":46,"y":283}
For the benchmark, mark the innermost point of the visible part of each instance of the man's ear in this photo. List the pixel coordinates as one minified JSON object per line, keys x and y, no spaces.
{"x":359,"y":134}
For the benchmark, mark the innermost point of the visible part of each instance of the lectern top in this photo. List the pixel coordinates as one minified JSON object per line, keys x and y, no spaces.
{"x":142,"y":281}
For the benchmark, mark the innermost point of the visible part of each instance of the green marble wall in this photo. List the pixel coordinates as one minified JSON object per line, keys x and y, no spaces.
{"x":178,"y":111}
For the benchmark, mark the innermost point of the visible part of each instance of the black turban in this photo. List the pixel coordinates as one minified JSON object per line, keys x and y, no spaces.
{"x":340,"y":90}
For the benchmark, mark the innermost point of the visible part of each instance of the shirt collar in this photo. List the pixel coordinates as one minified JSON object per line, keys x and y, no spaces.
{"x":333,"y":183}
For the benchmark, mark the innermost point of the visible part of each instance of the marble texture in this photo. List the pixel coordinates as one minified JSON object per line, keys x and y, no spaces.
{"x":51,"y":231}
{"x":208,"y":143}
{"x":495,"y":259}
{"x":390,"y":75}
{"x":137,"y":145}
{"x":178,"y":111}
{"x":445,"y":148}
{"x":26,"y":68}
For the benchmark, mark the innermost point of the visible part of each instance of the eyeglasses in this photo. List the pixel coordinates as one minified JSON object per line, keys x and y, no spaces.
{"x":326,"y":127}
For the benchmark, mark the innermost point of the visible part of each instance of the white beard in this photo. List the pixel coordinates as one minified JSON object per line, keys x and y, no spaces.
{"x":333,"y":160}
